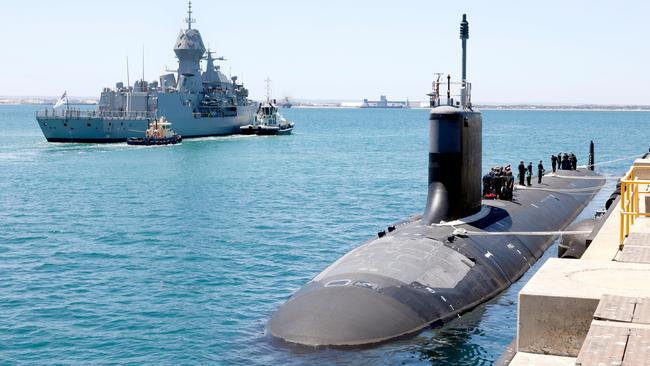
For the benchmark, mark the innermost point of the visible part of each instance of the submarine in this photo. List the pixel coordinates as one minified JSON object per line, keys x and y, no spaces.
{"x":433,"y":267}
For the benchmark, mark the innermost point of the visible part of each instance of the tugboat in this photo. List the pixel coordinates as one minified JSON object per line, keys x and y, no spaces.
{"x":268,"y":120}
{"x":158,"y":133}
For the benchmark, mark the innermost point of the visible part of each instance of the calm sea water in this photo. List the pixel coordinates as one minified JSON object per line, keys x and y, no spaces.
{"x":178,"y":255}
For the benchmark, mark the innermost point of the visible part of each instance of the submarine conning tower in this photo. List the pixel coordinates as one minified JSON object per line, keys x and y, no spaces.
{"x":455,"y":148}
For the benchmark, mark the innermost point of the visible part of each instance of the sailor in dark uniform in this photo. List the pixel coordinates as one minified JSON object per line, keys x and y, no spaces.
{"x":529,"y":173}
{"x":522,"y":172}
{"x":498,"y":182}
{"x":510,"y":184}
{"x":487,"y":183}
{"x":553,"y":162}
{"x":540,"y":172}
{"x":574,"y":161}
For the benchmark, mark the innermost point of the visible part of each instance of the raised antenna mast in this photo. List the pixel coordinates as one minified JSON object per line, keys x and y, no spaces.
{"x":143,"y":62}
{"x":464,"y":35}
{"x":268,"y":89}
{"x":128,"y":79}
{"x":466,"y":89}
{"x":189,"y":20}
{"x":128,"y":86}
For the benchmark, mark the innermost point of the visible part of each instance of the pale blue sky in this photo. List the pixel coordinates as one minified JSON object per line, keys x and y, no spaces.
{"x":538,"y":52}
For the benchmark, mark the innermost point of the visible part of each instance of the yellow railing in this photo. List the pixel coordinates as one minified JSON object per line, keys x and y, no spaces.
{"x":631,"y":189}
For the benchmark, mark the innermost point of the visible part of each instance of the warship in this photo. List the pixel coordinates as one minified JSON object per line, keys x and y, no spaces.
{"x":198,"y":102}
{"x":435,"y":266}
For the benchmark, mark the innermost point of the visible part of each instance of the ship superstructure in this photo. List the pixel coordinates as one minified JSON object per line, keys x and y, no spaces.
{"x":199,"y":102}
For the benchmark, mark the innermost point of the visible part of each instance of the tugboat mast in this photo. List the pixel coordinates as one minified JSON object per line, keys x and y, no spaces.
{"x":268,"y":90}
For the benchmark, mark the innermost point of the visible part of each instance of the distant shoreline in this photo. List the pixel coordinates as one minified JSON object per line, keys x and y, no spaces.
{"x":568,"y":108}
{"x":48,"y":101}
{"x":508,"y":108}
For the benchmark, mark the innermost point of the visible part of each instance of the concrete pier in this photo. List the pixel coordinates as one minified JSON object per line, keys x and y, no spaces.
{"x":595,"y":310}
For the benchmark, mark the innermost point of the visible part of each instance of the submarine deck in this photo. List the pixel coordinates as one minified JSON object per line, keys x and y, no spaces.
{"x":593,"y":310}
{"x":419,"y":275}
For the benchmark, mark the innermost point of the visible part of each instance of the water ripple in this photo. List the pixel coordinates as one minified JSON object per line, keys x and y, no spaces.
{"x":179,"y":255}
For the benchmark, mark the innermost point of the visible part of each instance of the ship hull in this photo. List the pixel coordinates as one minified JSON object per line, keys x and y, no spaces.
{"x":415,"y":275}
{"x":93,"y":128}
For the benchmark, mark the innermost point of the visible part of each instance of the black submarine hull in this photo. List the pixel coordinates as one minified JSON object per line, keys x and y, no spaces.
{"x":419,"y":274}
{"x":425,"y":271}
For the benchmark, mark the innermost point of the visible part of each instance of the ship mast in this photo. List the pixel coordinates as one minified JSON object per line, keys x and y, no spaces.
{"x":268,"y":90}
{"x":464,"y":35}
{"x":189,"y":18}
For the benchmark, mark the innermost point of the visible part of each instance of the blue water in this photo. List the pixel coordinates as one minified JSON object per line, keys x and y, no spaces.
{"x":178,"y":255}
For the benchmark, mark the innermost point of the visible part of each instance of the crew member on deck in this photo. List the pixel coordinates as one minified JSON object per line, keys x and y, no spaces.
{"x":553,"y":162}
{"x":486,"y":184}
{"x":540,"y":172}
{"x":574,"y":161}
{"x":498,"y":182}
{"x":522,"y":172}
{"x":509,"y":182}
{"x":529,"y":173}
{"x":566,"y":163}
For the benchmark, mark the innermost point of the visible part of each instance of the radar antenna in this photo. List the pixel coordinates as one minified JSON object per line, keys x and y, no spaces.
{"x":189,"y":20}
{"x":210,"y":52}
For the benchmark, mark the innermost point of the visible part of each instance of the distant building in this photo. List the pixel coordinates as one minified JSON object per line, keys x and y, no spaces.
{"x":384,"y":103}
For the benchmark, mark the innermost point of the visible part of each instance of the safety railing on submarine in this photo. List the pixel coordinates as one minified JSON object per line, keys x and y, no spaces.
{"x":454,"y":94}
{"x":632,"y":188}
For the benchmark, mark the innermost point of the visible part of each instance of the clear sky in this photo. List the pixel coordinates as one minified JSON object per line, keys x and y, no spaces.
{"x":570,"y":51}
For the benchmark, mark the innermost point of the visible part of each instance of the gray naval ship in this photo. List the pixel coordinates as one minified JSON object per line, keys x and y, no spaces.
{"x":433,"y":267}
{"x":198,"y":103}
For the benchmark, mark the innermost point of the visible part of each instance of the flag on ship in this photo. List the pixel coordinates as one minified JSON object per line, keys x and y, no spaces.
{"x":62,"y":100}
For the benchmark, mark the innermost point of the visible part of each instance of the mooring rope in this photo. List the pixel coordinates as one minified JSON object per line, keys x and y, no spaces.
{"x":613,"y":161}
{"x":463,"y":232}
{"x":560,"y":190}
